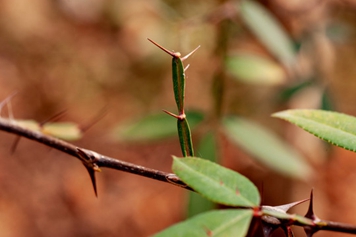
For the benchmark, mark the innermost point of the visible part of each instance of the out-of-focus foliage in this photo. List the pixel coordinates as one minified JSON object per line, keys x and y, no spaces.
{"x":267,"y":147}
{"x":85,"y":55}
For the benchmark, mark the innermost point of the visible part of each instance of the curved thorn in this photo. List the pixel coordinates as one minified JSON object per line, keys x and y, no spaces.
{"x":91,"y":167}
{"x":92,"y":178}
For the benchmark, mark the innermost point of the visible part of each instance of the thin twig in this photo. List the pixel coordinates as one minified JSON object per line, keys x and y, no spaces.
{"x":99,"y":159}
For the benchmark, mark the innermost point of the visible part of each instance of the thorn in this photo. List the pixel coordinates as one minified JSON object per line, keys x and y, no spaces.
{"x":310,"y":214}
{"x":89,"y":163}
{"x":6,"y":101}
{"x":92,"y":178}
{"x":54,"y":117}
{"x":173,"y":54}
{"x":188,"y":55}
{"x":288,"y":206}
{"x":15,"y":144}
{"x":185,"y":69}
{"x":96,"y":119}
{"x":180,"y":117}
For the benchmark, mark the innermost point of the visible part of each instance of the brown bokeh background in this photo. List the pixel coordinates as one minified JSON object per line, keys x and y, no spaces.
{"x":83,"y":56}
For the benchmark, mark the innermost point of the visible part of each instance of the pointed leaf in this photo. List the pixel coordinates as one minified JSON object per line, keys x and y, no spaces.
{"x":266,"y":147}
{"x":178,"y":77}
{"x":268,"y":30}
{"x":224,"y":223}
{"x":336,"y":128}
{"x":256,"y":70}
{"x":154,"y":127}
{"x":216,"y":183}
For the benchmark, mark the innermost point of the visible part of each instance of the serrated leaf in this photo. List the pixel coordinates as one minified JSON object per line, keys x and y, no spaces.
{"x":154,"y":127}
{"x":268,"y":30}
{"x":256,"y":70}
{"x":216,"y":183}
{"x":65,"y":130}
{"x":223,"y":223}
{"x":336,"y":128}
{"x":266,"y":147}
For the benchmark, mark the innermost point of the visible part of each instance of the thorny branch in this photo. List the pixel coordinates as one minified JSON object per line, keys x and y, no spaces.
{"x":93,"y":161}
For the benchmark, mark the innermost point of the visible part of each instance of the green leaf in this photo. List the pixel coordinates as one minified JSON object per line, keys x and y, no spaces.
{"x":223,"y":223}
{"x":336,"y":128}
{"x":266,"y":147}
{"x":207,"y":150}
{"x":185,"y":137}
{"x":216,"y":183}
{"x":268,"y":30}
{"x":67,"y":130}
{"x":256,"y":70}
{"x":178,"y":77}
{"x":154,"y":127}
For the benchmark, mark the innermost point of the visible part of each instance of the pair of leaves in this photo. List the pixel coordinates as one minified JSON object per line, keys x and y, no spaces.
{"x":220,"y":185}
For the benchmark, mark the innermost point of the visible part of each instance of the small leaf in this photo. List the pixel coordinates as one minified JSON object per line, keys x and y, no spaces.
{"x":336,"y":128}
{"x":185,"y":137}
{"x":154,"y":127}
{"x":269,"y":30}
{"x":223,"y":223}
{"x":256,"y":70}
{"x":266,"y":147}
{"x":216,"y":183}
{"x":66,"y":130}
{"x":178,"y":77}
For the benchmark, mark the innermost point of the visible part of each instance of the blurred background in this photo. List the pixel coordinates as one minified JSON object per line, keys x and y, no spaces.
{"x":256,"y":58}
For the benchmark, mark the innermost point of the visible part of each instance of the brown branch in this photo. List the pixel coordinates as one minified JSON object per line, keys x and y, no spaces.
{"x":92,"y":158}
{"x":93,"y":161}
